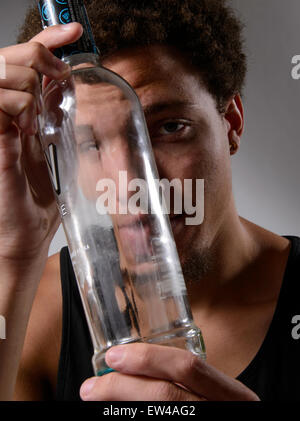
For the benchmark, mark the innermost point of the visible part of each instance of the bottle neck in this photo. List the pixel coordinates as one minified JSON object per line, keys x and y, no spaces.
{"x":62,"y":12}
{"x":82,"y":58}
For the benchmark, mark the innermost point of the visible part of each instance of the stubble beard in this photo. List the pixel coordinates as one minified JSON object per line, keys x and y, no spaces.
{"x":196,"y":265}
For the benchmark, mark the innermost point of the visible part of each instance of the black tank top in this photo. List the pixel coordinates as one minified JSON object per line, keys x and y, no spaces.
{"x":273,"y":374}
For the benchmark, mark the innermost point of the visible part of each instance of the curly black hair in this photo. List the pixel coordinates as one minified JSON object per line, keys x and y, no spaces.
{"x":207,"y":31}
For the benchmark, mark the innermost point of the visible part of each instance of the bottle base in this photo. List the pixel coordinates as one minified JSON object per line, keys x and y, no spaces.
{"x":185,"y":338}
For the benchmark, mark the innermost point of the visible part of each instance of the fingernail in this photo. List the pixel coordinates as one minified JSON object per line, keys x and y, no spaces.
{"x":115,"y":356}
{"x":67,"y":26}
{"x":87,"y":387}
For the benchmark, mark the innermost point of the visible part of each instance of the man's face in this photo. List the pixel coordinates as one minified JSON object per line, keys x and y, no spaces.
{"x":189,"y":138}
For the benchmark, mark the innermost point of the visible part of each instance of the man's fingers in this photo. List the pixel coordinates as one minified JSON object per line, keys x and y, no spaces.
{"x":121,"y":387}
{"x":58,"y":35}
{"x":21,"y":78}
{"x":36,"y":55}
{"x":177,"y":366}
{"x":20,"y":94}
{"x":21,"y":107}
{"x":36,"y":170}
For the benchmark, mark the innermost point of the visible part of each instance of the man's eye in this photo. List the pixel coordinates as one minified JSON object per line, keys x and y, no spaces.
{"x":171,"y":127}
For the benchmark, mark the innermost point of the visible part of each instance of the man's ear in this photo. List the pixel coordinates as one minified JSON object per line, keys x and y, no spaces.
{"x":234,"y":116}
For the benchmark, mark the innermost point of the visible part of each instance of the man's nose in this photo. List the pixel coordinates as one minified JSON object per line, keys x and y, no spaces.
{"x":120,"y":164}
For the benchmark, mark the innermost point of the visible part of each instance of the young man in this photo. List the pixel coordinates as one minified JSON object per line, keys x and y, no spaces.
{"x":185,"y":61}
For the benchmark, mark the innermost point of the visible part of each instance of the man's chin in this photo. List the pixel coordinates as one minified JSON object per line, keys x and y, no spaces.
{"x":194,"y":253}
{"x":185,"y":236}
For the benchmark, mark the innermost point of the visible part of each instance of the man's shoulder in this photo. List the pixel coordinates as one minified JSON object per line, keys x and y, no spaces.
{"x":51,"y":271}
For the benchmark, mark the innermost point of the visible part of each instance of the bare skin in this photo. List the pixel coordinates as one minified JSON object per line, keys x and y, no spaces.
{"x":27,"y":227}
{"x":231,"y":341}
{"x":246,"y":262}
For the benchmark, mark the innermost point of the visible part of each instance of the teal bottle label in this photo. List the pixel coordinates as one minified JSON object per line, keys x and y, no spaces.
{"x":61,"y":12}
{"x":106,"y":371}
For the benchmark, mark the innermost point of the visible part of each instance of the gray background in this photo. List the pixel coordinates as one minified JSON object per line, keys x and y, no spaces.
{"x":266,"y":169}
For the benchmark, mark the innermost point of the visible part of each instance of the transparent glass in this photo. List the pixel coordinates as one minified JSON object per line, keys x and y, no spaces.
{"x":95,"y":139}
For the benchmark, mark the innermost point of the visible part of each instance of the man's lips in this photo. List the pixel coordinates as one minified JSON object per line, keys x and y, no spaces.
{"x":135,"y":236}
{"x":132,"y":221}
{"x":136,"y":232}
{"x":145,"y":221}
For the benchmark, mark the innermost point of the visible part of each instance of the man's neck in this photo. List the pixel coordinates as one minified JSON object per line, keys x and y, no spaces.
{"x":245,"y":257}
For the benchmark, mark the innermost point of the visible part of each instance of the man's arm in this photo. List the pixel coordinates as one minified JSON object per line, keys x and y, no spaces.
{"x":37,"y":373}
{"x":28,"y":212}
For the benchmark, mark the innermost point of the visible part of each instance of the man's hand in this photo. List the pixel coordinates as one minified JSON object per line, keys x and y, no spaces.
{"x":29,"y":216}
{"x":160,"y":373}
{"x":27,"y":207}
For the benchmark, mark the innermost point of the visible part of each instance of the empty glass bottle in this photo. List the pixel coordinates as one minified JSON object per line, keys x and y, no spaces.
{"x":97,"y":147}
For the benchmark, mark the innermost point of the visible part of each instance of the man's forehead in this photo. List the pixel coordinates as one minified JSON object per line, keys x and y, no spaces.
{"x":155,"y":64}
{"x":156,"y":73}
{"x":155,"y":97}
